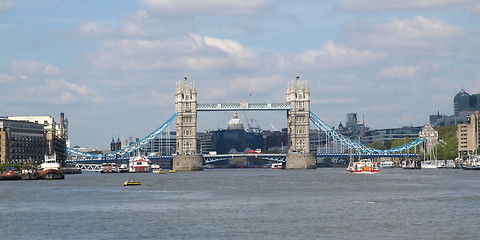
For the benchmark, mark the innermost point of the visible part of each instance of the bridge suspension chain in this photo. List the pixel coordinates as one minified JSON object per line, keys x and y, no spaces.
{"x":133,"y":147}
{"x":356,"y":146}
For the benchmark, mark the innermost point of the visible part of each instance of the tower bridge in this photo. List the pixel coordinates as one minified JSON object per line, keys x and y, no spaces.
{"x":299,"y":116}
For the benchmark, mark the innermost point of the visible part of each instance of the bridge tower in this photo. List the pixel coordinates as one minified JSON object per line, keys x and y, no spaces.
{"x":186,"y":158}
{"x":298,"y":123}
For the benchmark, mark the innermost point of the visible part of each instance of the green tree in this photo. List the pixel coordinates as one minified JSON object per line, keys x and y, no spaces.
{"x":400,"y":142}
{"x":450,"y":149}
{"x":377,"y":145}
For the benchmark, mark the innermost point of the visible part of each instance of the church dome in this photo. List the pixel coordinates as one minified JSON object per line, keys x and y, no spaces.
{"x":235,"y":123}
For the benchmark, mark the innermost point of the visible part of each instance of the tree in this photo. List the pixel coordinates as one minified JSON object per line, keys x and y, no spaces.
{"x":449,"y":150}
{"x":400,"y":142}
{"x":377,"y":145}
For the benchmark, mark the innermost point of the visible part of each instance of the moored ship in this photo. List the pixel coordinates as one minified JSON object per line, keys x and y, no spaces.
{"x":123,"y":168}
{"x":473,"y":163}
{"x":139,"y":164}
{"x":10,"y":174}
{"x":110,"y":168}
{"x":387,"y":164}
{"x":50,"y":169}
{"x":277,"y":165}
{"x":363,"y":166}
{"x":156,"y":168}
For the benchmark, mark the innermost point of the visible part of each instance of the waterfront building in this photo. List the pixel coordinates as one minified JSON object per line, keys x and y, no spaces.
{"x":438,"y":120}
{"x":231,"y":139}
{"x":55,"y":133}
{"x":276,"y":140}
{"x":468,"y":135}
{"x":22,"y":142}
{"x":163,"y":144}
{"x":205,"y":139}
{"x":390,"y":134}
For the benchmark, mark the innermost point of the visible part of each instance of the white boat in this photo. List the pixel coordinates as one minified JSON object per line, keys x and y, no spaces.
{"x":156,"y":168}
{"x":51,"y":168}
{"x":110,"y":168}
{"x":123,"y":168}
{"x":387,"y":164}
{"x":429,"y":164}
{"x":277,"y":165}
{"x":50,"y":163}
{"x":139,"y":164}
{"x":363,"y":166}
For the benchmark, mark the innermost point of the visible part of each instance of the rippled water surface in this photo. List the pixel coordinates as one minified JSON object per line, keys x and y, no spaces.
{"x":326,"y":203}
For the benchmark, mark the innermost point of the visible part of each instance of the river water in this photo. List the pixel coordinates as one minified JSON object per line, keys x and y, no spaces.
{"x":325,"y":203}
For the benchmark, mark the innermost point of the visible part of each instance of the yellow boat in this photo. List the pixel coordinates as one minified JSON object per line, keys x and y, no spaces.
{"x":172,"y":171}
{"x":162,"y":172}
{"x":128,"y":183}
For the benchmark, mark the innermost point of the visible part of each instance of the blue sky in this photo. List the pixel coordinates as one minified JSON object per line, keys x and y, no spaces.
{"x":112,"y":66}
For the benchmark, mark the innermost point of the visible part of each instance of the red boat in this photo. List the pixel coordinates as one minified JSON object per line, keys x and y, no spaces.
{"x":10,"y":174}
{"x":51,"y":174}
{"x":50,"y":169}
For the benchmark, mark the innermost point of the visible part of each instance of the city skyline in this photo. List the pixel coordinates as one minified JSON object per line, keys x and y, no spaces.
{"x":112,"y":66}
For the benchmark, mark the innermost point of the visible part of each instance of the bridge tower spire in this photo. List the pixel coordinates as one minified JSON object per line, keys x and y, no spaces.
{"x":298,"y":121}
{"x":187,"y":158}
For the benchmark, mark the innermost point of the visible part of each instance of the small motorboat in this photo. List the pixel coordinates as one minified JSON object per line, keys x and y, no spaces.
{"x":172,"y":171}
{"x":162,"y":172}
{"x":363,"y":166}
{"x":131,"y":183}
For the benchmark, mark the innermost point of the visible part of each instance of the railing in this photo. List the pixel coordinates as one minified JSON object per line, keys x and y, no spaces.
{"x":222,"y":157}
{"x":356,"y":146}
{"x":131,"y":148}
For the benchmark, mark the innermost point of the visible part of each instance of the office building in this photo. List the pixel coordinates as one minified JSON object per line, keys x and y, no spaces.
{"x":55,"y":133}
{"x":468,"y":135}
{"x":22,"y":142}
{"x":463,"y":102}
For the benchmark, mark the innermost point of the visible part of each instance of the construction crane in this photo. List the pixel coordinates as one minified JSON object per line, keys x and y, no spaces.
{"x":250,"y":123}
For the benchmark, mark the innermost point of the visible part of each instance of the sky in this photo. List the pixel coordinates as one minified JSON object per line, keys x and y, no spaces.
{"x":112,"y":66}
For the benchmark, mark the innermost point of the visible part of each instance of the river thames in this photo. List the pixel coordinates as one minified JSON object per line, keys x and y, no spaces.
{"x":325,"y":203}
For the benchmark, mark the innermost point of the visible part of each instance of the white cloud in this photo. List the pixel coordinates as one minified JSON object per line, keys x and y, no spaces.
{"x":190,"y":52}
{"x":415,"y":36}
{"x":207,"y":7}
{"x":4,"y":78}
{"x":337,"y":56}
{"x":32,"y":68}
{"x":396,"y":5}
{"x":409,"y":72}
